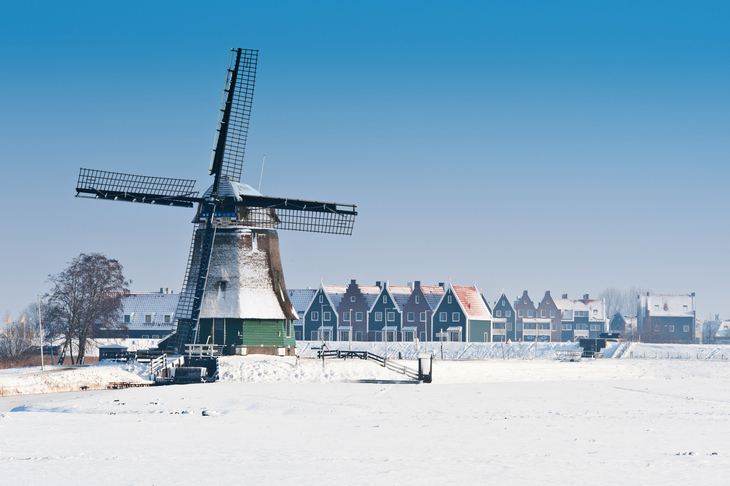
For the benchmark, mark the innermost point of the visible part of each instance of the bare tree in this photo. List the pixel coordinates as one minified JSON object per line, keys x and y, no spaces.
{"x":709,"y":331}
{"x":16,"y":339}
{"x":622,"y":301}
{"x":87,"y":296}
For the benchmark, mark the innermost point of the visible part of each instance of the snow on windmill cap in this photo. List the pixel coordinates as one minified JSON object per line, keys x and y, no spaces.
{"x":232,"y":189}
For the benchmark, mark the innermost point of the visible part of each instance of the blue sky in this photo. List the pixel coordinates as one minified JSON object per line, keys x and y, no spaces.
{"x":562,"y":146}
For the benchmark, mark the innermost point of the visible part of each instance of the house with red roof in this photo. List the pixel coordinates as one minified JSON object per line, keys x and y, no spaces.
{"x":462,"y":315}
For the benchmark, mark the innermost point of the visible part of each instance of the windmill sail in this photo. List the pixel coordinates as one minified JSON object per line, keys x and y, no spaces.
{"x":100,"y":184}
{"x":235,"y":114}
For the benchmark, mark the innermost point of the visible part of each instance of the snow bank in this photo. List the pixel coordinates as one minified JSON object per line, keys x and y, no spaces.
{"x":293,"y":370}
{"x":677,"y":351}
{"x":446,"y":350}
{"x":24,"y":381}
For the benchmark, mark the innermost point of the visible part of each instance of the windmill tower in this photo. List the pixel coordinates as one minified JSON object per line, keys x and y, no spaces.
{"x":234,"y":291}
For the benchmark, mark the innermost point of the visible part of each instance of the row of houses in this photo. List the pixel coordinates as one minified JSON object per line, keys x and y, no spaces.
{"x":444,"y":312}
{"x":440,"y":313}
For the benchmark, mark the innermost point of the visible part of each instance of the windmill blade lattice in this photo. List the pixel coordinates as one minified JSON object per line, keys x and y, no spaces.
{"x":235,"y":114}
{"x":100,"y":184}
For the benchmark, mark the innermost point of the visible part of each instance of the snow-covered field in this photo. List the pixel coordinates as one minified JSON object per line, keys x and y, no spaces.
{"x":606,"y":421}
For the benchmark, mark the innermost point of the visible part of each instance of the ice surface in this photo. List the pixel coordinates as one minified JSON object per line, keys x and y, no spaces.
{"x":605,"y":421}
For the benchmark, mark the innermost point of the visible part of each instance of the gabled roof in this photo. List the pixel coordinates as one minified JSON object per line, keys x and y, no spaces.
{"x":472,"y":302}
{"x":400,"y":295}
{"x":335,"y":294}
{"x":370,"y":294}
{"x":432,"y":295}
{"x":300,"y":299}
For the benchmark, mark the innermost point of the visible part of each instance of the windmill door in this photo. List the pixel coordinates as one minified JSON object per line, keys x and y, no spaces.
{"x":219,"y":332}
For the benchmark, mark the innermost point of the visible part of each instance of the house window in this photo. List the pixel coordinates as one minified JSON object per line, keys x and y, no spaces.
{"x":327,"y":316}
{"x":504,"y":303}
{"x":519,"y":326}
{"x":377,"y":335}
{"x":542,"y":313}
{"x":352,"y":298}
{"x":509,"y":326}
{"x":508,"y":313}
{"x":520,"y":313}
{"x":418,"y":298}
{"x":145,"y":336}
{"x":567,"y":327}
{"x":391,"y":316}
{"x":385,"y":299}
{"x":671,"y":328}
{"x":411,"y":316}
{"x":686,"y":328}
{"x":378,"y":317}
{"x":315,"y":315}
{"x":148,"y":318}
{"x":423,"y":336}
{"x":449,"y":299}
{"x":552,"y":313}
{"x":442,"y":316}
{"x":321,"y":299}
{"x":358,"y":316}
{"x":167,"y":318}
{"x":498,"y":313}
{"x":529,"y":313}
{"x":358,"y":336}
{"x":455,"y":317}
{"x":594,"y":327}
{"x":314,"y":335}
{"x":346,"y":316}
{"x":555,"y":327}
{"x":127,"y":318}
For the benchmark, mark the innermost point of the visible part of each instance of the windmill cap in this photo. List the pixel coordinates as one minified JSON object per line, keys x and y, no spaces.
{"x":232,"y":189}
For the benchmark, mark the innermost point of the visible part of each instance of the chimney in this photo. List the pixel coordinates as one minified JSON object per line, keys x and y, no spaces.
{"x":565,"y":296}
{"x":167,"y":290}
{"x":410,"y":284}
{"x":585,"y":296}
{"x":162,"y":290}
{"x":416,"y":284}
{"x":442,"y":285}
{"x":378,"y":284}
{"x":353,"y":282}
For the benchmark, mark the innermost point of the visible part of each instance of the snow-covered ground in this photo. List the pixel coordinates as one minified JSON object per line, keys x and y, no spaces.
{"x":606,"y":421}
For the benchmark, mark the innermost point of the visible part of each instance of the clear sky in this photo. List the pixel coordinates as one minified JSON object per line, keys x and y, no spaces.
{"x":562,"y":146}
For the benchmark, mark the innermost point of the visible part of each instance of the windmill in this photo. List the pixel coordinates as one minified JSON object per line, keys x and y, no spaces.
{"x":234,"y":291}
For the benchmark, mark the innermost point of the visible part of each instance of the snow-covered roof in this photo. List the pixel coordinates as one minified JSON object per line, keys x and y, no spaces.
{"x":665,"y":305}
{"x":232,"y":189}
{"x":300,"y":299}
{"x":594,"y":307}
{"x":472,"y":302}
{"x":335,"y":293}
{"x":723,"y":330}
{"x":400,"y":294}
{"x":157,"y":305}
{"x":370,"y":294}
{"x":432,"y":295}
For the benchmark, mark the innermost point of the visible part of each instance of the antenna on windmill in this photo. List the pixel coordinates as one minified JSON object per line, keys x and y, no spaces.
{"x":262,"y":172}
